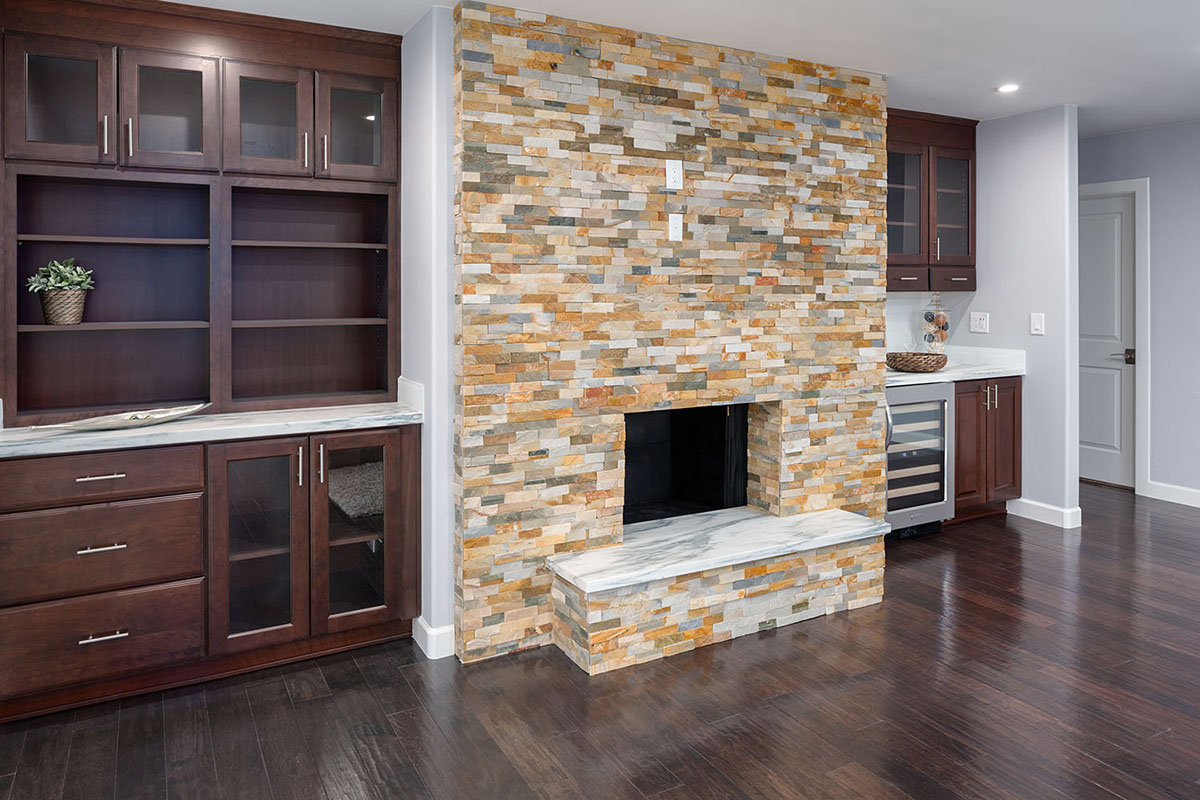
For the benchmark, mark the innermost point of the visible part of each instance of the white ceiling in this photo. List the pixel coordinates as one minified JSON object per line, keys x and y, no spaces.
{"x":1125,"y":63}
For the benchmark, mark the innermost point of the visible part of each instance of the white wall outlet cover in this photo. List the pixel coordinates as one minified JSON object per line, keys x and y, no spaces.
{"x":674,"y":174}
{"x":1037,"y":323}
{"x":980,"y":322}
{"x":675,"y":227}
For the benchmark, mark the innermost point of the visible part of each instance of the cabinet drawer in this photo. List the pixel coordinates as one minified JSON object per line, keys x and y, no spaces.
{"x":99,"y":636}
{"x":952,"y":279}
{"x":71,"y":480}
{"x":69,"y":551}
{"x":908,"y":279}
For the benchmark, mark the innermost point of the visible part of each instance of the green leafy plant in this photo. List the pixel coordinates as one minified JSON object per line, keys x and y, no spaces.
{"x":61,"y":275}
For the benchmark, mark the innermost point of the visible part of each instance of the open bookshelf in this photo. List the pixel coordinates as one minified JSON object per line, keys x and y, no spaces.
{"x":245,"y":292}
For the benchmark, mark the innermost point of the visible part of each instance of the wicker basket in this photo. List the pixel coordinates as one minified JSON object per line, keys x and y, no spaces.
{"x":63,"y":306}
{"x":916,"y":362}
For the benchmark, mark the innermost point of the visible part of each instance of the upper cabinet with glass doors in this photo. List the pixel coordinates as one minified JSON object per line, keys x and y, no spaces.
{"x":60,"y":100}
{"x":930,"y":202}
{"x":72,"y":100}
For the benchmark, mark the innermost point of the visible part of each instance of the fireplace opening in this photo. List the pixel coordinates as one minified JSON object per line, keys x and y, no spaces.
{"x":684,"y":461}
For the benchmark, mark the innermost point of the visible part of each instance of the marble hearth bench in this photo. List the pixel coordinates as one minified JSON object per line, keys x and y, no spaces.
{"x":677,"y":584}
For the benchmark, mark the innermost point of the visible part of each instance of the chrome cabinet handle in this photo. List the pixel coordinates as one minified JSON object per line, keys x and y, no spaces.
{"x":889,"y":426}
{"x":96,"y":638}
{"x":90,"y":478}
{"x":106,"y":134}
{"x":987,"y":398}
{"x":321,"y":463}
{"x":300,"y":467}
{"x":325,"y":148}
{"x":306,"y":149}
{"x":958,"y":280}
{"x":131,"y":137}
{"x":107,"y":548}
{"x":939,"y":248}
{"x":909,"y":278}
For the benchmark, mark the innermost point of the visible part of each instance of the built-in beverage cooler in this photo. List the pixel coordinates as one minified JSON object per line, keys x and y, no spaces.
{"x":920,"y":454}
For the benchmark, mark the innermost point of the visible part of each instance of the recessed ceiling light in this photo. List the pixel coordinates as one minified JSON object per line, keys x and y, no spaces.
{"x":1007,"y":88}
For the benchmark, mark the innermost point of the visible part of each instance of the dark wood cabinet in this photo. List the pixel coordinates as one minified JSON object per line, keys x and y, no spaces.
{"x":987,"y":447}
{"x":257,"y":544}
{"x":60,"y":99}
{"x":364,"y":491}
{"x":268,"y":119}
{"x":931,"y":202}
{"x":170,"y":114}
{"x":312,"y":535}
{"x":355,"y":127}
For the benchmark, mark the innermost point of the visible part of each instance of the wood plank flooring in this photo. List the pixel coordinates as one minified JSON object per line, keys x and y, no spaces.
{"x":1008,"y":660}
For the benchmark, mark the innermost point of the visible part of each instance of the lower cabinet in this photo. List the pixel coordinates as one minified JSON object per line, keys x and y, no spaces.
{"x":311,"y":535}
{"x":987,"y":455}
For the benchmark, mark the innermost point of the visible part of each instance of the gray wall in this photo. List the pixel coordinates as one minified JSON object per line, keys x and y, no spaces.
{"x":1027,"y":260}
{"x":1170,"y":157}
{"x":427,"y":294}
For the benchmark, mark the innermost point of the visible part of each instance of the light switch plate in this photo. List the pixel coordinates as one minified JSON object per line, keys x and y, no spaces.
{"x":1037,"y":323}
{"x":979,"y":322}
{"x":675,"y":227}
{"x":674,"y":174}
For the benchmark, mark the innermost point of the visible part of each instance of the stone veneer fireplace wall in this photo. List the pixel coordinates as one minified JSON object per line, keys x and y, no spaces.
{"x":573,"y":306}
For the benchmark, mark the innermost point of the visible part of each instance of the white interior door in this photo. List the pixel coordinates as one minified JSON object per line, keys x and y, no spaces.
{"x":1106,"y":333}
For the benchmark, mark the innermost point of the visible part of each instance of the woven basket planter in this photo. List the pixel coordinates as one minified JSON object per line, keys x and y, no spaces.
{"x":63,"y":306}
{"x":916,"y":362}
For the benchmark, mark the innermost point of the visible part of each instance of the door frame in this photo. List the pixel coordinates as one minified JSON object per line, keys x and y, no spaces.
{"x":1139,"y":188}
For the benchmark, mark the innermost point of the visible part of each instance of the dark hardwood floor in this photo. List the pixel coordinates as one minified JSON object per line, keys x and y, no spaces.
{"x":1008,"y":660}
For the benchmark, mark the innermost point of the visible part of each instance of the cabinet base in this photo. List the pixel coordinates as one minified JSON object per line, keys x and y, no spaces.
{"x":978,"y":512}
{"x":199,"y":671}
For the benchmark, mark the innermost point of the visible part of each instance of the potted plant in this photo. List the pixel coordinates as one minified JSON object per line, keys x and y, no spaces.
{"x":63,"y":287}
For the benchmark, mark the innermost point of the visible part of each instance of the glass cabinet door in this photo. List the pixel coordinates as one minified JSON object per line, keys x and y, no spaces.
{"x":61,"y":103}
{"x":258,"y":544}
{"x":170,"y":116}
{"x":268,"y":119}
{"x":356,"y":127}
{"x":907,"y":190}
{"x":951,"y":212}
{"x":358,"y":522}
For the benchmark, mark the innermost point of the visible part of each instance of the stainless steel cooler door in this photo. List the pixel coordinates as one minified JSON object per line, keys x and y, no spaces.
{"x":920,"y":454}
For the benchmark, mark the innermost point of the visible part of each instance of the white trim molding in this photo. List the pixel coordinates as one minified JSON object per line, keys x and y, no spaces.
{"x":1044,"y":512}
{"x":1172,"y":493}
{"x":1140,"y":189}
{"x":435,"y":643}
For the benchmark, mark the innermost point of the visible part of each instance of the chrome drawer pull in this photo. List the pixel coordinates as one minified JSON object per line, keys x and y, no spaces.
{"x":108,"y":548}
{"x":90,"y":478}
{"x":104,"y":637}
{"x":963,"y":280}
{"x":908,"y":278}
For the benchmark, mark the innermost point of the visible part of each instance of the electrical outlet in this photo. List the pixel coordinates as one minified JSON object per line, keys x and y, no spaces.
{"x":675,"y":227}
{"x":979,"y":322}
{"x":674,"y":174}
{"x":1037,"y":324}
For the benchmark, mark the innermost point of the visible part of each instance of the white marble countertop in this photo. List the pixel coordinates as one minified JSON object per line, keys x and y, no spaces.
{"x":209,"y":428}
{"x":696,"y":542}
{"x":966,"y":364}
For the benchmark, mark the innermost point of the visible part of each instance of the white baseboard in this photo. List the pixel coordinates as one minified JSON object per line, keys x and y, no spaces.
{"x":1044,"y":512}
{"x":1172,"y":493}
{"x":435,"y":643}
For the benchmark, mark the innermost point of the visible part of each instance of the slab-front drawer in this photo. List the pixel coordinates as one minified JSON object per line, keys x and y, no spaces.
{"x":99,"y":636}
{"x":70,"y":480}
{"x":68,"y":551}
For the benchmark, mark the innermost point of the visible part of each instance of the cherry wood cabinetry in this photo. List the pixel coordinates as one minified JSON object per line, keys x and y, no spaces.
{"x":356,"y":127}
{"x":313,"y":545}
{"x":311,"y":534}
{"x":60,"y":99}
{"x":268,"y":118}
{"x":931,"y":202}
{"x":987,"y":453}
{"x":170,"y":116}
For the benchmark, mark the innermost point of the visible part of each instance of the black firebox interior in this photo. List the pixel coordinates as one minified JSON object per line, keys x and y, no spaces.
{"x":684,"y":461}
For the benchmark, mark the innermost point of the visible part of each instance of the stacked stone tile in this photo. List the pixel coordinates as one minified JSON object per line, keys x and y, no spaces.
{"x":631,"y":625}
{"x":574,"y":308}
